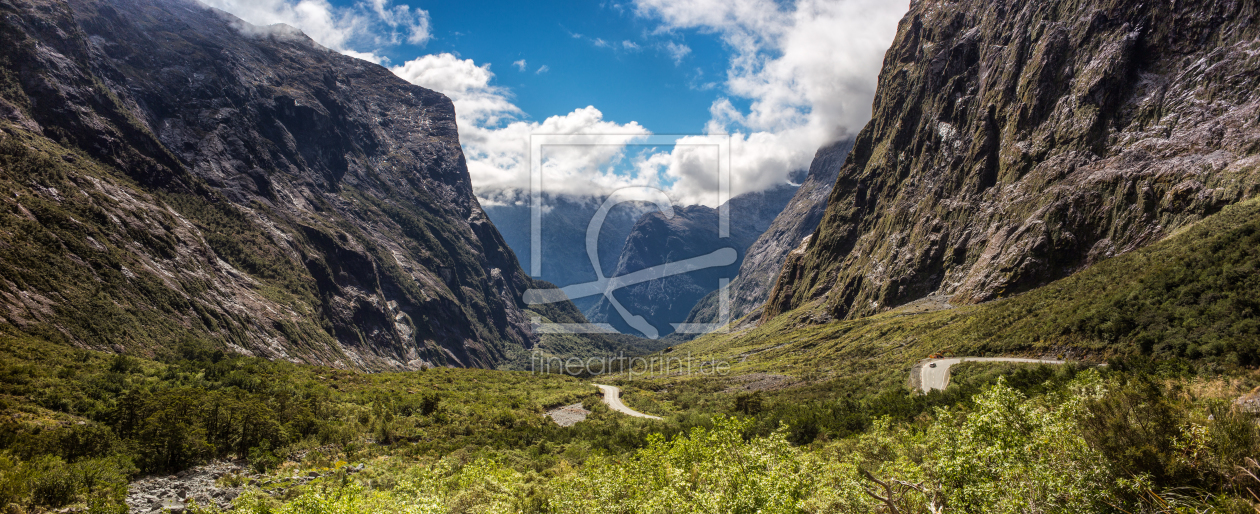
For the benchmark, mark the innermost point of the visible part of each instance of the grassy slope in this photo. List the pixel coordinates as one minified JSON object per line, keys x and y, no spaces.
{"x":1194,"y":295}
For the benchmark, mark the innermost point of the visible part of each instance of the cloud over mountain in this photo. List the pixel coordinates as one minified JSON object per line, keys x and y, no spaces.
{"x":807,"y":71}
{"x":496,"y":139}
{"x":361,"y":30}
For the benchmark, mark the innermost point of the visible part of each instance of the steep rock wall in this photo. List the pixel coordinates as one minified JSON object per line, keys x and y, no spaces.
{"x":1013,"y":143}
{"x":173,"y":175}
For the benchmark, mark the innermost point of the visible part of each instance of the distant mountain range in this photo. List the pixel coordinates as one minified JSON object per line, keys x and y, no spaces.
{"x":563,"y":230}
{"x":763,"y":260}
{"x":691,"y":232}
{"x":634,"y":237}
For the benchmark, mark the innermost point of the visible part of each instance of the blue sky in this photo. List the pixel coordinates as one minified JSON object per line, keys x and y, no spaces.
{"x":641,"y":82}
{"x":781,"y":77}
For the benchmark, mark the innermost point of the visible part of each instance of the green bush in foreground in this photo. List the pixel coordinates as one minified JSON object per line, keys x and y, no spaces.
{"x":50,"y":481}
{"x":1005,"y":453}
{"x":76,"y":425}
{"x":704,"y":471}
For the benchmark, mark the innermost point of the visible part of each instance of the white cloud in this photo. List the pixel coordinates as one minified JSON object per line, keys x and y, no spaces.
{"x":413,"y":25}
{"x":520,"y":64}
{"x":498,"y":157}
{"x":543,"y":69}
{"x":468,"y":86}
{"x":372,"y":25}
{"x":624,"y":45}
{"x":808,"y":70}
{"x":677,"y":51}
{"x":496,"y":140}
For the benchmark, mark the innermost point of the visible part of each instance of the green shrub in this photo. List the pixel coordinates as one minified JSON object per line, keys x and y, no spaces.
{"x":1136,"y":428}
{"x":1009,"y":454}
{"x":706,"y":470}
{"x":49,"y":481}
{"x":262,"y":459}
{"x":71,"y":443}
{"x":748,"y":403}
{"x":1170,"y":441}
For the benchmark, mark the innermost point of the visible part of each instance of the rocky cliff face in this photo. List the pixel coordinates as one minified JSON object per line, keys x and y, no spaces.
{"x":1013,"y":143}
{"x":172,"y":175}
{"x":763,"y":260}
{"x":691,"y":232}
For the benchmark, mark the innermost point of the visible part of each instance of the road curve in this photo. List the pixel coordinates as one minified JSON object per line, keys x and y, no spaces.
{"x":612,"y":397}
{"x":937,"y":377}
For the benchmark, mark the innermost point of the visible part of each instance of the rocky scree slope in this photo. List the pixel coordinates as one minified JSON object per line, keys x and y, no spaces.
{"x":691,"y":232}
{"x":1013,"y":143}
{"x":172,"y":175}
{"x":763,"y":260}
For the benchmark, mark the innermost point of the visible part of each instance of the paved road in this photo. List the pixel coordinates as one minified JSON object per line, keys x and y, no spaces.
{"x":612,"y":396}
{"x":938,"y":377}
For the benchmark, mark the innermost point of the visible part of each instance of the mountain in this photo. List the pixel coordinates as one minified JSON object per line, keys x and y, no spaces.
{"x":1014,"y":143}
{"x":763,"y":260}
{"x":563,"y":230}
{"x":691,"y":232}
{"x":174,"y":176}
{"x":1187,"y":300}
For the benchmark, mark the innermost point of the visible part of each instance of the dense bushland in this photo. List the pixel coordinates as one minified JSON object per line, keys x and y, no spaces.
{"x":998,"y":451}
{"x":1140,"y":436}
{"x":77,"y":424}
{"x":1155,"y":431}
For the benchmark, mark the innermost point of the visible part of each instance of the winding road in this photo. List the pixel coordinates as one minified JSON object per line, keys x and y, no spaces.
{"x":931,"y":374}
{"x":934,"y":373}
{"x":612,"y":397}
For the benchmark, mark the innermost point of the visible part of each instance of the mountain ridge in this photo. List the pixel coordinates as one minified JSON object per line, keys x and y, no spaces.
{"x":765,"y":257}
{"x":1013,"y":144}
{"x":691,"y":232}
{"x":564,"y":224}
{"x":174,"y":175}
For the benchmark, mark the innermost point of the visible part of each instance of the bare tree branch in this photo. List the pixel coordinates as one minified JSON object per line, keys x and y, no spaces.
{"x":888,"y":500}
{"x":935,"y":503}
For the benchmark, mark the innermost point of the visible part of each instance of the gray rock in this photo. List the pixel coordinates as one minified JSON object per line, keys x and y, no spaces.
{"x":568,"y":415}
{"x":156,"y":493}
{"x":1013,"y":143}
{"x":340,"y":174}
{"x":763,"y":260}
